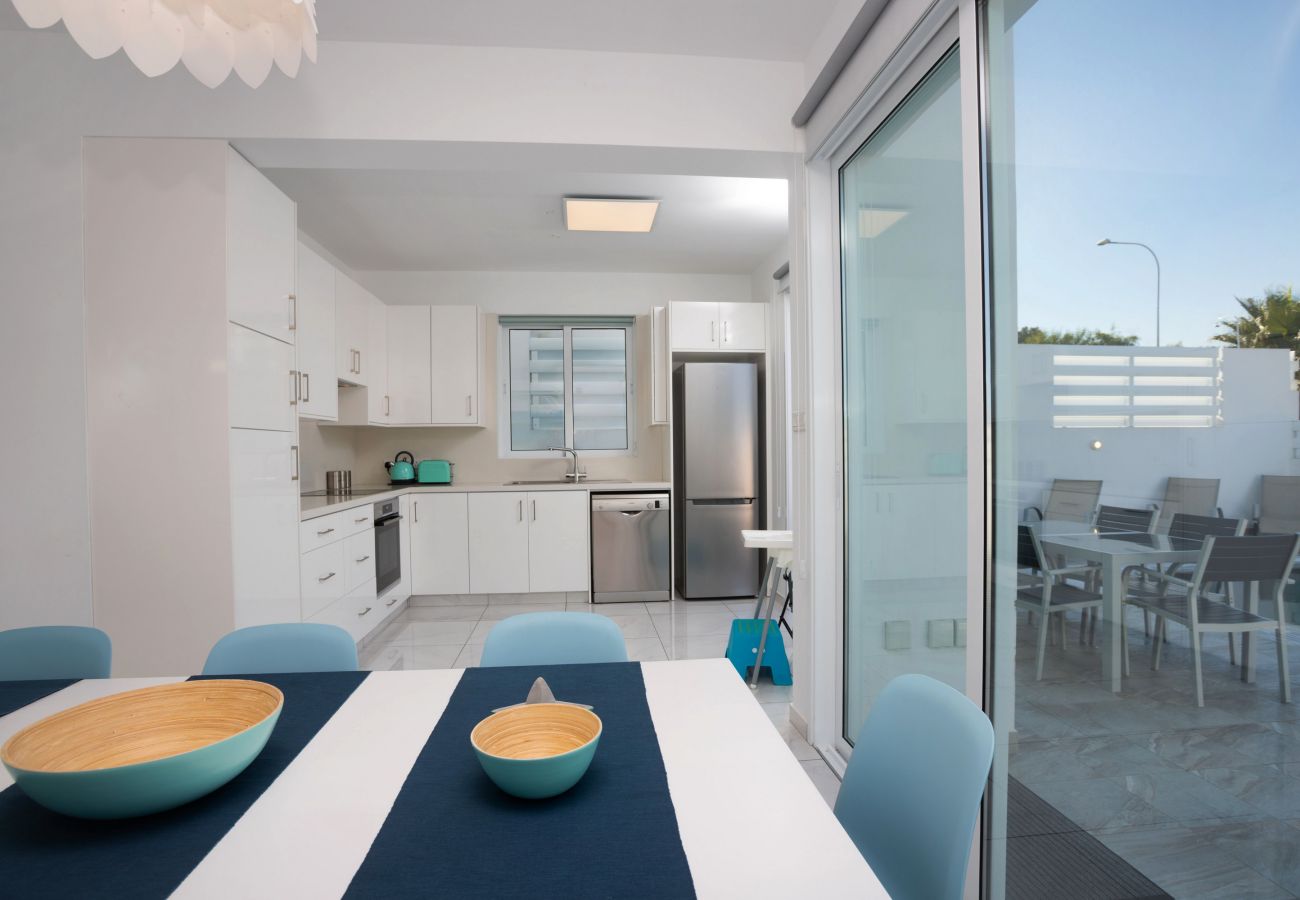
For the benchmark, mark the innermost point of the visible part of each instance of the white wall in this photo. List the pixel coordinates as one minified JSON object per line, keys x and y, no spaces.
{"x":52,"y":94}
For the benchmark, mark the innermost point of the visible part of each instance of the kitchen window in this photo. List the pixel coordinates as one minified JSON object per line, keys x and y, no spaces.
{"x":566,"y":382}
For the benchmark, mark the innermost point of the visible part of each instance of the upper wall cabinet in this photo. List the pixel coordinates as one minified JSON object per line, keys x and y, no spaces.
{"x":379,"y":405}
{"x":352,"y":337}
{"x":409,"y":380}
{"x":456,"y":373}
{"x":261,"y":233}
{"x":318,"y":396}
{"x":730,"y":327}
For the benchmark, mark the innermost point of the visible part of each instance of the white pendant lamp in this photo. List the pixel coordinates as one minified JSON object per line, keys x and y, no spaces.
{"x":210,"y":36}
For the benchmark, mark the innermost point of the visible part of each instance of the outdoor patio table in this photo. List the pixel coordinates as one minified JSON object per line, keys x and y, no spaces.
{"x":369,"y":787}
{"x":1114,"y":552}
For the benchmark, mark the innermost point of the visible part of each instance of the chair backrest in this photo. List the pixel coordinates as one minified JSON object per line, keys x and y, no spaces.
{"x":1185,"y":525}
{"x":54,"y":651}
{"x":554,"y":638}
{"x":1123,"y":518}
{"x":1026,"y":549}
{"x":912,"y":789}
{"x":1193,"y":496}
{"x":1279,"y":504}
{"x":1250,"y":558}
{"x":287,"y":647}
{"x":1072,"y":500}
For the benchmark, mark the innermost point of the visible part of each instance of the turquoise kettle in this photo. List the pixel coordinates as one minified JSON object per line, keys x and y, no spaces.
{"x":401,"y":471}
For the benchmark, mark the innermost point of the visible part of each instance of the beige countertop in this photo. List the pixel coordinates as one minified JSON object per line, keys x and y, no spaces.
{"x":319,"y":506}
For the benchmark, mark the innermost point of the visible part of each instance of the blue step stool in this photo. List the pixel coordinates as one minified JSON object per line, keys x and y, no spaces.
{"x":742,"y":649}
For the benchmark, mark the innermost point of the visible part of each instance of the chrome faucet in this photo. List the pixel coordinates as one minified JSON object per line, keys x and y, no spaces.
{"x":573,"y":474}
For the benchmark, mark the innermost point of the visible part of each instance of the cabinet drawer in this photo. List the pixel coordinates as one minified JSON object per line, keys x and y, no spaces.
{"x":359,"y":559}
{"x":358,"y":613}
{"x":323,"y":530}
{"x":358,"y":520}
{"x":323,"y":577}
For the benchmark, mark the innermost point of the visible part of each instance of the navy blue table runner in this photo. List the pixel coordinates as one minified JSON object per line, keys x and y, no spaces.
{"x":17,"y":694}
{"x":451,"y":833}
{"x":44,"y":854}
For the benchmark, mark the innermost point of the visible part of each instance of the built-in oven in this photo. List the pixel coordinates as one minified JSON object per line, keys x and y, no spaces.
{"x":388,"y":545}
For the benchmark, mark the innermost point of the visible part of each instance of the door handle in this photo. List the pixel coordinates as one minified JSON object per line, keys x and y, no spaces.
{"x":415,"y":508}
{"x":327,"y":577}
{"x":358,"y":362}
{"x":296,"y":473}
{"x":469,"y":404}
{"x":364,"y":611}
{"x":388,"y":405}
{"x":306,"y":387}
{"x":534,"y":510}
{"x":325,"y":532}
{"x":726,"y":332}
{"x":293,"y":391}
{"x":293,"y":312}
{"x":713,"y":332}
{"x":362,"y":559}
{"x":362,"y":519}
{"x":521,"y":510}
{"x":391,"y":602}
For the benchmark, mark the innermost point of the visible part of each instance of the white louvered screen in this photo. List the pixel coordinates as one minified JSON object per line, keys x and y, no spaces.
{"x":1130,"y":388}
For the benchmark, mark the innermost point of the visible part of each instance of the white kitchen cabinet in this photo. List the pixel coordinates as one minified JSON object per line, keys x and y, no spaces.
{"x":262,"y":380}
{"x":319,"y":394}
{"x":743,"y":327}
{"x":659,"y":365}
{"x":409,"y":382}
{"x":440,"y":535}
{"x":557,"y":541}
{"x":694,"y":326}
{"x":730,"y":327}
{"x":261,"y":231}
{"x":498,"y":543}
{"x":264,"y":520}
{"x":455,"y":372}
{"x":378,"y":403}
{"x":323,"y":577}
{"x":352,"y":331}
{"x":359,"y":559}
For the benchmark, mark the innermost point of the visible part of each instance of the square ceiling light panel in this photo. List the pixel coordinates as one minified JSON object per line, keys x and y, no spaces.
{"x":609,"y":214}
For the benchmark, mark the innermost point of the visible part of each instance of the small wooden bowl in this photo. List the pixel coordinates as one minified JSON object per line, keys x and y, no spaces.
{"x":537,"y":750}
{"x":143,"y":751}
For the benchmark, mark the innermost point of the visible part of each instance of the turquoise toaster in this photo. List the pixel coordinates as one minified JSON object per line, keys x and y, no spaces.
{"x":433,"y":471}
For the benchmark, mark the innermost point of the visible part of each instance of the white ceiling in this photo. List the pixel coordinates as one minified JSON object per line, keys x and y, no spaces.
{"x":749,"y":29}
{"x":376,"y":219}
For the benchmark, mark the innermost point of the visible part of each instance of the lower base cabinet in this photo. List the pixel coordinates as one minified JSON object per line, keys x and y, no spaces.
{"x":439,"y":529}
{"x":498,"y":543}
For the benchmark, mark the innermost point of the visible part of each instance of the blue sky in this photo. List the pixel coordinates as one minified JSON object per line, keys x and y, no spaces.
{"x":1172,"y":123}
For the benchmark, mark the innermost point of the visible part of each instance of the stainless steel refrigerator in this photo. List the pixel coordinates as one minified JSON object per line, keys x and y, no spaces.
{"x":716,"y":477}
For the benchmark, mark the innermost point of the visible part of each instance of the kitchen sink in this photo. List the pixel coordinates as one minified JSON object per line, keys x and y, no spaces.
{"x":571,"y":481}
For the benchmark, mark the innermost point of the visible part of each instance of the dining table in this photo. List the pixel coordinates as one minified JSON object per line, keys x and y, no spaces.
{"x":1113,"y":552}
{"x":369,"y":787}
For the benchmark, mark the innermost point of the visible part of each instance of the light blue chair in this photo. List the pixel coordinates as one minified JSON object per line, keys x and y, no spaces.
{"x":553,"y":638}
{"x":289,"y":647}
{"x":54,"y":651}
{"x":911,"y":793}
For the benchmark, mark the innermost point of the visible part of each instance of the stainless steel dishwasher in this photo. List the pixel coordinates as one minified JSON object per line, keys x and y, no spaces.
{"x":631,"y":548}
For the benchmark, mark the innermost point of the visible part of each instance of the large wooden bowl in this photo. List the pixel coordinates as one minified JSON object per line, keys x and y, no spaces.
{"x":537,"y":750}
{"x":143,"y":751}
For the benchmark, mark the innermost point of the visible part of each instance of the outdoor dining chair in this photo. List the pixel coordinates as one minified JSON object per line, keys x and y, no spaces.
{"x":1045,"y":591}
{"x":1278,"y":510}
{"x":1070,"y":500}
{"x":54,"y":651}
{"x":1112,"y":519}
{"x":286,"y":647}
{"x":1191,"y":496}
{"x":1246,"y":560}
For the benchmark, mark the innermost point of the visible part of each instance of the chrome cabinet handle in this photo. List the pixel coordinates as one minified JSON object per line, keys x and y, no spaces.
{"x":415,"y":509}
{"x":713,"y":332}
{"x":726,"y":332}
{"x":323,"y":533}
{"x":364,"y":611}
{"x":534,"y":510}
{"x":293,"y":391}
{"x":296,"y":473}
{"x":360,"y":520}
{"x":388,"y":405}
{"x":293,"y":312}
{"x":391,"y":602}
{"x":306,"y":387}
{"x":469,"y":404}
{"x":362,"y":559}
{"x":521,"y":510}
{"x":358,"y":362}
{"x":327,"y":577}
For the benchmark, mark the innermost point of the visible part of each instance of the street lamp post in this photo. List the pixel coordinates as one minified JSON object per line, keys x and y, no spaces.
{"x":1107,"y":241}
{"x":1236,"y":329}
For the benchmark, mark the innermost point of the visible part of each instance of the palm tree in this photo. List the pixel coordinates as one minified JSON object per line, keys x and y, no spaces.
{"x":1273,"y":322}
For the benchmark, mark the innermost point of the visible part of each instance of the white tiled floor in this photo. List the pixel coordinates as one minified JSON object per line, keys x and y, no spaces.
{"x":448,"y":632}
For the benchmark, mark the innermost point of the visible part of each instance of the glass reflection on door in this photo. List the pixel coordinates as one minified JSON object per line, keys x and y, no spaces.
{"x":904,"y":377}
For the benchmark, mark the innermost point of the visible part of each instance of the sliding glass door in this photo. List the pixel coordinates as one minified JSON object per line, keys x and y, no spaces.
{"x":904,"y":398}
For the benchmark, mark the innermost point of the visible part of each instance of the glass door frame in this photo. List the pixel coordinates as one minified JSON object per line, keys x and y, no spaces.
{"x":921,"y":43}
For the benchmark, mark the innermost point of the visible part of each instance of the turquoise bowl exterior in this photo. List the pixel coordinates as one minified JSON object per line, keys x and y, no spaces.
{"x":137,"y":790}
{"x":537,"y":779}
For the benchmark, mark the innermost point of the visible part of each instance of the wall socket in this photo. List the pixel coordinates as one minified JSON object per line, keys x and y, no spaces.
{"x":939,"y":633}
{"x":898,"y":635}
